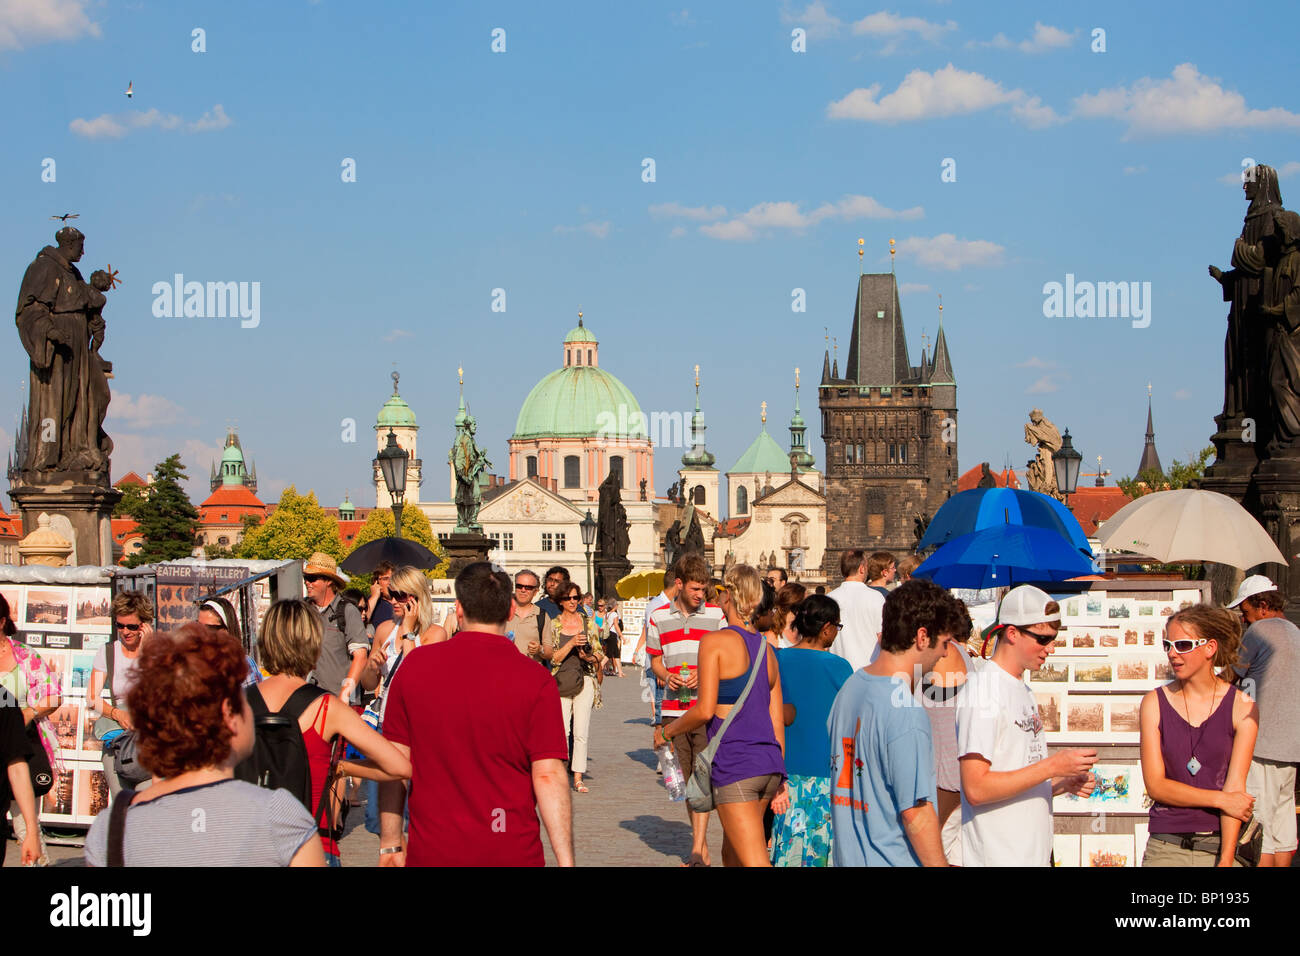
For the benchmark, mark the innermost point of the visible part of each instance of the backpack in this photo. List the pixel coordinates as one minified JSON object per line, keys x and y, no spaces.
{"x":279,"y":758}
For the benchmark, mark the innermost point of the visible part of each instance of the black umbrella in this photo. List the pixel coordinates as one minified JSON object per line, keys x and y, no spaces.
{"x":397,"y":551}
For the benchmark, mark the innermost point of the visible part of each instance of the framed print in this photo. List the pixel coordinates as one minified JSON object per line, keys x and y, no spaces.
{"x":1099,"y":672}
{"x":1049,"y":711}
{"x":91,"y":608}
{"x":1085,"y":717}
{"x":1118,"y":789}
{"x":1052,"y":672}
{"x":47,"y":608}
{"x":1120,"y":609}
{"x":1107,"y":849}
{"x":1122,"y":716}
{"x":1065,"y":849}
{"x":1094,"y":605}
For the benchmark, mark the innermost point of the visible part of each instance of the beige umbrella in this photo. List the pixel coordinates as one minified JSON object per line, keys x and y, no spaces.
{"x":1190,"y":525}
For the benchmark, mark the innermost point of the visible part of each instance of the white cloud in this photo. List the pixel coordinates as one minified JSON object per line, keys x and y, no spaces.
{"x":1134,"y":170}
{"x":115,"y":126}
{"x":1035,"y":362}
{"x":1186,"y":102}
{"x":907,"y":287}
{"x":25,"y":23}
{"x":145,"y":411}
{"x":670,"y":210}
{"x":396,"y":334}
{"x":1043,"y":386}
{"x":789,"y":215}
{"x":815,"y":19}
{"x":1182,"y":394}
{"x":1044,"y":38}
{"x":946,"y":251}
{"x":598,"y":229}
{"x":945,"y":92}
{"x":677,"y":232}
{"x":885,"y":24}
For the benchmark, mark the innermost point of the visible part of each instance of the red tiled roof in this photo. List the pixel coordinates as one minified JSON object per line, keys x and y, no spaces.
{"x":233,"y":496}
{"x":732,"y":527}
{"x":971,"y":478}
{"x":130,"y":478}
{"x":124,"y":528}
{"x":11,"y":526}
{"x":348,"y":530}
{"x":1092,"y":505}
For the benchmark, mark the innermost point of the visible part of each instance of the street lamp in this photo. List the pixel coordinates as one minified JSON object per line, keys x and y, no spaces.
{"x":392,"y":465}
{"x":588,"y":526}
{"x":1066,"y":463}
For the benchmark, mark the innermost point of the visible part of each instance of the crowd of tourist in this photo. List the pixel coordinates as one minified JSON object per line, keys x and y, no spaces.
{"x":871,"y":726}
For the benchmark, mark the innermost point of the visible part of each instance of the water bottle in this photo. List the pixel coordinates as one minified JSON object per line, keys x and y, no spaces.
{"x":674,"y":779}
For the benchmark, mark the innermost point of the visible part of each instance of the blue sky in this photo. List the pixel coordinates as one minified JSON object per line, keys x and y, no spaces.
{"x":522,"y":170}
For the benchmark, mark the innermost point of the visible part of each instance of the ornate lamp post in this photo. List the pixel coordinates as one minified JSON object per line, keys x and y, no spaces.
{"x":392,"y":465}
{"x":588,"y":526}
{"x":1066,"y":462}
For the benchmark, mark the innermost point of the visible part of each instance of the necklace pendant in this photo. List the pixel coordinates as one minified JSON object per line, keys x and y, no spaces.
{"x":1193,"y":766}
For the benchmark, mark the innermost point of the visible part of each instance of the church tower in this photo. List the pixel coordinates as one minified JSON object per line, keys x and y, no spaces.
{"x":397,"y":416}
{"x":890,"y":429}
{"x":1150,"y":457}
{"x":698,"y":475}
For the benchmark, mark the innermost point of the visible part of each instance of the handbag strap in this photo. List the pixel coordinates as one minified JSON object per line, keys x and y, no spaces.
{"x":110,"y":655}
{"x":759,"y":659}
{"x":117,"y":827}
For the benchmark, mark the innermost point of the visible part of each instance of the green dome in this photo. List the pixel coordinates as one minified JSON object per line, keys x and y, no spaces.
{"x":762,"y":456}
{"x":580,"y":402}
{"x":579,"y":334}
{"x":395,"y":413}
{"x":232,"y":455}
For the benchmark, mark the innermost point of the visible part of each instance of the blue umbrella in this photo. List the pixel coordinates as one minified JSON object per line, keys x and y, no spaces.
{"x":982,"y":508}
{"x":1004,"y":556}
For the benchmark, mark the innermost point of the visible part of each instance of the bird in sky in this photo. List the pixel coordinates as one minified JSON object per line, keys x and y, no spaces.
{"x":129,"y":93}
{"x":66,"y":216}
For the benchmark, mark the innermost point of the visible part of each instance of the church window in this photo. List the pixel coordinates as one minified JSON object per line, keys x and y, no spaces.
{"x":742,"y":501}
{"x":948,"y":448}
{"x":559,"y":541}
{"x":547,"y":541}
{"x":588,"y":356}
{"x":223,"y":541}
{"x":616,"y":468}
{"x":893,"y":454}
{"x":697,"y":496}
{"x":902,"y":454}
{"x":848,"y":454}
{"x":507,"y":541}
{"x":532,"y":466}
{"x":859,"y":452}
{"x":578,"y":352}
{"x":875,"y":508}
{"x":572,"y":471}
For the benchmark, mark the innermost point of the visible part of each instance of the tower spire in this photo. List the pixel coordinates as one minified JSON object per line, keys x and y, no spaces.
{"x":800,"y":459}
{"x":1150,"y":457}
{"x":698,"y":456}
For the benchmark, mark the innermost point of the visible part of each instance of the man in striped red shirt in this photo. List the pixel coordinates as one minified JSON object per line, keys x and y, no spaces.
{"x":673,"y":645}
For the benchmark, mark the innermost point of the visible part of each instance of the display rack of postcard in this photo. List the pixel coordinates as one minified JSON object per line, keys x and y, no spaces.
{"x":66,"y":625}
{"x":1107,"y":655}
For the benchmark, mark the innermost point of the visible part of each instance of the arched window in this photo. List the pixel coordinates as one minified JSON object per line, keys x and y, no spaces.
{"x":532,"y":466}
{"x":572,"y":471}
{"x":578,"y":353}
{"x":588,"y":356}
{"x":742,"y":501}
{"x":697,"y":495}
{"x":616,"y":468}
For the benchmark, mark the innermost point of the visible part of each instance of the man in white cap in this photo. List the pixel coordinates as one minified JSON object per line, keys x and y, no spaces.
{"x":344,"y":646}
{"x":1007,"y":778}
{"x":1268,"y":668}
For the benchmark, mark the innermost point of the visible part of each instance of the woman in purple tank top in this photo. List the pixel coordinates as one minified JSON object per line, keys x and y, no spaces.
{"x":1198,"y":737}
{"x":749,"y":766}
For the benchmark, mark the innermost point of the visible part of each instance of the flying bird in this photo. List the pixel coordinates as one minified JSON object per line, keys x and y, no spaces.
{"x":66,"y":216}
{"x":129,"y":84}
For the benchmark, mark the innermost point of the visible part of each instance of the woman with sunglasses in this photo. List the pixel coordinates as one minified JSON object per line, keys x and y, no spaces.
{"x":810,"y":679}
{"x":133,"y":620}
{"x":1198,"y":737}
{"x":576,"y":658}
{"x":218,"y":614}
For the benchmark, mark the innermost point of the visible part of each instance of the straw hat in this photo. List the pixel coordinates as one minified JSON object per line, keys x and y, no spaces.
{"x":321,"y":563}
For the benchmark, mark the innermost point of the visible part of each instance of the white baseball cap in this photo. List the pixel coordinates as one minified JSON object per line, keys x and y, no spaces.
{"x":1255,"y":584}
{"x":1025,"y":605}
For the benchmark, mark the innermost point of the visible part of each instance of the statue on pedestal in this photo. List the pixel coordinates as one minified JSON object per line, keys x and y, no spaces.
{"x":1044,"y":436}
{"x":470,"y":463}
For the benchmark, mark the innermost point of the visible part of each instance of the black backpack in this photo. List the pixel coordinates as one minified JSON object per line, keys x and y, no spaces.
{"x":279,"y":758}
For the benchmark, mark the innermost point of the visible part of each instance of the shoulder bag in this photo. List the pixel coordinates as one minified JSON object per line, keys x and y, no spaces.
{"x":699,"y":788}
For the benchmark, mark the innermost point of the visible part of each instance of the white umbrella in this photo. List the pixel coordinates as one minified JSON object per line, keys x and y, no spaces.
{"x":1190,"y":525}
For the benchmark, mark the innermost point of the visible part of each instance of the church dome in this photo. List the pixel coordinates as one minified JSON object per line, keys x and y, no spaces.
{"x":580,"y":401}
{"x":395,"y":413}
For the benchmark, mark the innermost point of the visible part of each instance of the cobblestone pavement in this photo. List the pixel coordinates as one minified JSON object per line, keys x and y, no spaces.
{"x":625,"y":820}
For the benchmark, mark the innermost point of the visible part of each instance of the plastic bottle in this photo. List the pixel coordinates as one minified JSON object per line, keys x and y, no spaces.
{"x":674,"y":779}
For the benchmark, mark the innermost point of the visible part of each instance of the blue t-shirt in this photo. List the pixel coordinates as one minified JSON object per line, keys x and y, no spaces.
{"x":809,"y":680}
{"x":882,"y":762}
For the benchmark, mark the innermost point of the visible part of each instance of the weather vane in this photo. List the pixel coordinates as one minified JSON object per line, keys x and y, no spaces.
{"x":66,"y":216}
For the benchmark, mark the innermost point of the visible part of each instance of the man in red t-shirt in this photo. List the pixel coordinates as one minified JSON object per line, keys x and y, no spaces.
{"x":481,"y":724}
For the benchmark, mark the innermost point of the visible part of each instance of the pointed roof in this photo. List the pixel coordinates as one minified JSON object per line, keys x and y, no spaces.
{"x":799,"y":454}
{"x":826,"y":367}
{"x":941,"y":372}
{"x":1150,"y":457}
{"x":878,"y":345}
{"x":698,"y":458}
{"x":762,"y":456}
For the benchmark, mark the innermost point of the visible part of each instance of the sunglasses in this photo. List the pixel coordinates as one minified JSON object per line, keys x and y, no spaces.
{"x":571,"y":597}
{"x":1042,"y":639}
{"x":1184,"y":645}
{"x":399,"y":597}
{"x":313,"y":578}
{"x":129,"y":627}
{"x":525,"y":587}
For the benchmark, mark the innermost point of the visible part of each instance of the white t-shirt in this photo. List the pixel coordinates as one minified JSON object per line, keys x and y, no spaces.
{"x":997,"y":718}
{"x":861,"y":612}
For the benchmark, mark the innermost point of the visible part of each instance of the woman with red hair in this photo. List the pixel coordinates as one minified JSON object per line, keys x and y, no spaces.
{"x":193,"y":725}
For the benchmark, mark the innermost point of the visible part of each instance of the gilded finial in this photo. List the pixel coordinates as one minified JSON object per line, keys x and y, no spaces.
{"x":1148,"y":389}
{"x":697,"y":376}
{"x":765,"y":413}
{"x":796,"y":378}
{"x":579,"y":318}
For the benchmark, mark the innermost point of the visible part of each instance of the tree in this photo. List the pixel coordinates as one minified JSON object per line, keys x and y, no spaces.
{"x":1179,"y":475}
{"x":165,"y":516}
{"x":297,"y":529}
{"x":133,"y":496}
{"x":415,"y":527}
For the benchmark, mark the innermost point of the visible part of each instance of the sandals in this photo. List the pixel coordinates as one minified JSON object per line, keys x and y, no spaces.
{"x":580,"y":787}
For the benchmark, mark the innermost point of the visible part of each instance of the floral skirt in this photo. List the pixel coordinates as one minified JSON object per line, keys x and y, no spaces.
{"x":802,"y":835}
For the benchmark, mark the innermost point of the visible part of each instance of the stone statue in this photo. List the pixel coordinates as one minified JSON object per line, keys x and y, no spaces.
{"x":612,"y":537}
{"x":1282,"y":337}
{"x":672,"y":492}
{"x":1043,"y":435}
{"x":61,"y":325}
{"x":694,"y":538}
{"x":469,"y":462}
{"x":986,"y":477}
{"x":920,"y":523}
{"x":673,"y":543}
{"x":1243,"y":287}
{"x":643,"y":483}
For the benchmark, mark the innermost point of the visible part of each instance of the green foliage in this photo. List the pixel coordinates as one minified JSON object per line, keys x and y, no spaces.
{"x":213,"y":551}
{"x":296,"y":529}
{"x":415,"y":527}
{"x":133,"y":496}
{"x":166,"y":518}
{"x":1179,"y":475}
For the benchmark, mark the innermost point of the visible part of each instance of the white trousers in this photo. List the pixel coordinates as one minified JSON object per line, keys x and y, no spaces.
{"x":578,"y":709}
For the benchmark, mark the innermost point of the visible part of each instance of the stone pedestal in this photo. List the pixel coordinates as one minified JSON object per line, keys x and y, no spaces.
{"x":79,"y":507}
{"x":464,"y":549}
{"x":1235,"y":460}
{"x":1274,"y":499}
{"x":608,"y":571}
